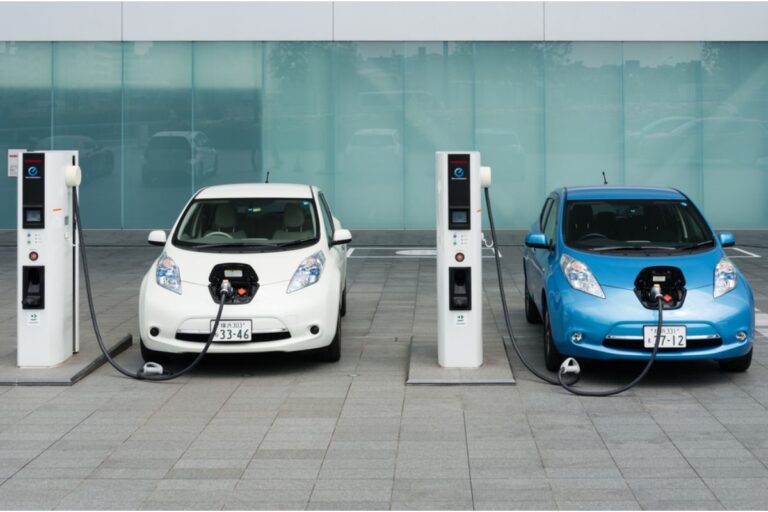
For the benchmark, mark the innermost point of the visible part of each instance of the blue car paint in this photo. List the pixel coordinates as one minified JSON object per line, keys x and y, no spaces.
{"x":620,"y":313}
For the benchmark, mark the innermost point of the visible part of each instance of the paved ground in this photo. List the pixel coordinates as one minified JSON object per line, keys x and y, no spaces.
{"x":285,"y":432}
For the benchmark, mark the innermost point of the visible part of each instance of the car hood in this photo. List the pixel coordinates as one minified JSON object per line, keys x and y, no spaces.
{"x":271,"y":267}
{"x":621,"y":271}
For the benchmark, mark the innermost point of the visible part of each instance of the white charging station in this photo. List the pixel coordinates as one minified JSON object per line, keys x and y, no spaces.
{"x":459,"y":258}
{"x":47,"y":259}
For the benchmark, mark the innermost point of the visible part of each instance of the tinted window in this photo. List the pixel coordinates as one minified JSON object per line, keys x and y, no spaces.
{"x":327,"y":218}
{"x":616,"y":225}
{"x":544,"y":212}
{"x":551,"y":222}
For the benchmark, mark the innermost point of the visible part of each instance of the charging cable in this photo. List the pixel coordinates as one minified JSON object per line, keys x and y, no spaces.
{"x":570,"y":369}
{"x":150,"y":371}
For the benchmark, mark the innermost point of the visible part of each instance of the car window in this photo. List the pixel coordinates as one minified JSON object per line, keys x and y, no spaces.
{"x":544,"y":212}
{"x":327,"y":217}
{"x":247,"y":222}
{"x":550,"y":223}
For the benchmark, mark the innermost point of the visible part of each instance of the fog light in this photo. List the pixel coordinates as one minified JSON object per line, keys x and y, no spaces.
{"x":576,"y":337}
{"x":741,"y":335}
{"x":154,"y":331}
{"x":314,"y":329}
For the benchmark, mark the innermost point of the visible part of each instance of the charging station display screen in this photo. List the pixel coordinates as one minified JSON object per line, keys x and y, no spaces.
{"x":459,"y":217}
{"x":33,"y":216}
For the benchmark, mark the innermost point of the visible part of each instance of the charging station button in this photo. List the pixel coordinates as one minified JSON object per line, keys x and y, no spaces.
{"x":33,"y":256}
{"x":459,"y":257}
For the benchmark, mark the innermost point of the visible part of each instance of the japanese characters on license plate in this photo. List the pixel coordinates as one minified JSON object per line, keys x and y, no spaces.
{"x":232,"y":331}
{"x":672,"y":336}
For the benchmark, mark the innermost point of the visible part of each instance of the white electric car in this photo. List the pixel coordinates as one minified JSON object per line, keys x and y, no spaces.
{"x":282,"y":251}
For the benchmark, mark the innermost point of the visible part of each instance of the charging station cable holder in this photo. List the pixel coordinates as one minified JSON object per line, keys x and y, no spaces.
{"x":73,"y":176}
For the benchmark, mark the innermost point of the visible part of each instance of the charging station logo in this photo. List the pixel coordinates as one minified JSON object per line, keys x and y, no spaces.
{"x":32,"y":172}
{"x":459,"y":173}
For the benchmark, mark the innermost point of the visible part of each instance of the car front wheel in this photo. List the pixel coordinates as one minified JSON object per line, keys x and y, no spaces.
{"x":552,"y":357}
{"x":737,"y":364}
{"x":332,"y":352}
{"x":149,"y":355}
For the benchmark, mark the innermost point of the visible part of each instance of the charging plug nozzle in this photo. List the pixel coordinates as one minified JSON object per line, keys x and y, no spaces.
{"x":656,"y":294}
{"x":226,"y":288}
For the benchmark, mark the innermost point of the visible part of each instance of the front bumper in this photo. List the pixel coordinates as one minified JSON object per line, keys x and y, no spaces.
{"x":612,"y":328}
{"x":273,"y":313}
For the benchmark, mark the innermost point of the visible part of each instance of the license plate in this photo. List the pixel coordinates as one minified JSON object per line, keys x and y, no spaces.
{"x":672,"y":336}
{"x":232,"y":330}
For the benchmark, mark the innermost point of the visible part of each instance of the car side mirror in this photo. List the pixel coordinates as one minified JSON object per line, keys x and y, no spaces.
{"x":727,"y":239}
{"x":341,"y":237}
{"x":536,"y":241}
{"x":157,"y":237}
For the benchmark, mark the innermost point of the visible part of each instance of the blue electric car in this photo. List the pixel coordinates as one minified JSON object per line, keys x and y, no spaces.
{"x":594,"y":255}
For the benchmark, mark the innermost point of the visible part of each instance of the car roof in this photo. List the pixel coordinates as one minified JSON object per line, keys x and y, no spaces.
{"x":263,"y":190}
{"x":623,"y":192}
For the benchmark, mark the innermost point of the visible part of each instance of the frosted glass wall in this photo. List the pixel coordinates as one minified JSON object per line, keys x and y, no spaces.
{"x":156,"y":121}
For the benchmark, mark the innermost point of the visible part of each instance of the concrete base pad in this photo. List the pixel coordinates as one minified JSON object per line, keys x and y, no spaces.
{"x":423,"y":367}
{"x":70,"y":371}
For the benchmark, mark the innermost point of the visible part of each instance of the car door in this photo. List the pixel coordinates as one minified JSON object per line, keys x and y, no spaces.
{"x":337,"y":254}
{"x":542,"y":259}
{"x":533,"y":272}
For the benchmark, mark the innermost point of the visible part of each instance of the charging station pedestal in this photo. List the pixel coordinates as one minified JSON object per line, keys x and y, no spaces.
{"x":47,"y":259}
{"x":459,"y":260}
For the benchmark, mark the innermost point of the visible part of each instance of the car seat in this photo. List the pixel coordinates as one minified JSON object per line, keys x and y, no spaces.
{"x":225,"y":220}
{"x":293,"y":224}
{"x":580,"y":221}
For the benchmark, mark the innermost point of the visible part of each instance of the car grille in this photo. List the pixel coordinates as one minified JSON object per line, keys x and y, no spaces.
{"x":637,"y":344}
{"x":255,"y":337}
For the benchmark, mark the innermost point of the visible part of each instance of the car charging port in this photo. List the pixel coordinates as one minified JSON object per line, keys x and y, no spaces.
{"x":240,"y":277}
{"x":660,"y":283}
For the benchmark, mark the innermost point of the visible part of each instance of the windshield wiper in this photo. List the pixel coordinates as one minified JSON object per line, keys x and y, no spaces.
{"x":634,"y":248}
{"x":293,"y":242}
{"x":231,"y":245}
{"x":696,"y":245}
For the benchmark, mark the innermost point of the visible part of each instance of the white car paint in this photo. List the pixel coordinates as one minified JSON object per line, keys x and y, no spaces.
{"x":271,"y":310}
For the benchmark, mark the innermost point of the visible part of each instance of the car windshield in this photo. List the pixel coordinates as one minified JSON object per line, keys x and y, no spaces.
{"x":254,"y":223}
{"x":623,"y":225}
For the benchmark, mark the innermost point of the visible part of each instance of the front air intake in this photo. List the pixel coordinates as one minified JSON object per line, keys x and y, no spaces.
{"x":671,"y":281}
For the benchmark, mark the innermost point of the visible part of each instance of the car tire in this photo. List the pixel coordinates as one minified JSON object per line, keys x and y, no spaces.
{"x":332,"y":352}
{"x":532,"y":314}
{"x":149,"y":355}
{"x":343,"y":308}
{"x":552,"y":357}
{"x":737,"y":364}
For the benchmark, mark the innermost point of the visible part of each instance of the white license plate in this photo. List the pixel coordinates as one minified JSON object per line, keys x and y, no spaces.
{"x":672,"y":336}
{"x":232,"y":330}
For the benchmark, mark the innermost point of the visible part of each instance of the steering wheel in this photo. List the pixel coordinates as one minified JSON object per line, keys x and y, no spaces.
{"x":590,"y":236}
{"x":218,"y":233}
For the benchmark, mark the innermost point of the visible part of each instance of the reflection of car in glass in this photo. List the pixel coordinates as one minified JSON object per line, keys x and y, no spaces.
{"x":173,"y":154}
{"x":723,"y":139}
{"x":376,"y":140}
{"x":95,"y":159}
{"x":504,"y":150}
{"x":592,"y":258}
{"x":287,"y":235}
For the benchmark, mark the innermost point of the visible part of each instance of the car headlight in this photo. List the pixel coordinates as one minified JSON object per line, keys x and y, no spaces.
{"x":308,"y":272}
{"x":725,"y":277}
{"x":580,"y":277}
{"x":167,"y":274}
